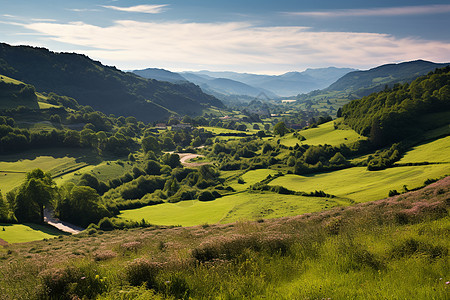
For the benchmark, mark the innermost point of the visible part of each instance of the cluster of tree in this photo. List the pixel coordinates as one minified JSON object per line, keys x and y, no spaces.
{"x":12,"y":95}
{"x":383,"y":159}
{"x":391,"y":115}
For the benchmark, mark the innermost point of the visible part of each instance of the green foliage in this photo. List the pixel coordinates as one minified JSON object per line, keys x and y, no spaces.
{"x":32,"y":196}
{"x":82,"y":206}
{"x":280,"y":129}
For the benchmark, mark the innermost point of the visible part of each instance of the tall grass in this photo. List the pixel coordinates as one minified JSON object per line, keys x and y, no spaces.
{"x":395,"y":248}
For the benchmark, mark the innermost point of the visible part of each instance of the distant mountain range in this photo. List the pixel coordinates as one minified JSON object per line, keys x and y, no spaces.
{"x":106,"y":89}
{"x":288,"y":84}
{"x":244,"y":86}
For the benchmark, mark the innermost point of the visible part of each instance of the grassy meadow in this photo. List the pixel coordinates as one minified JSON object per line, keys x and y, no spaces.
{"x":232,"y":208}
{"x":323,"y":134}
{"x":21,"y":233}
{"x":361,"y":185}
{"x":437,"y":151}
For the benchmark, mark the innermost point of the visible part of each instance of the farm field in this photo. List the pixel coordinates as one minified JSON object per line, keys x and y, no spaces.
{"x":323,"y":134}
{"x":361,"y":185}
{"x":241,"y":206}
{"x":21,"y":233}
{"x":435,"y":151}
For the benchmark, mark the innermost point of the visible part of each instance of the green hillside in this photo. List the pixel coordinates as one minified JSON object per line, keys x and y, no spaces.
{"x":14,"y":93}
{"x":363,"y":83}
{"x":106,"y":89}
{"x":358,"y":84}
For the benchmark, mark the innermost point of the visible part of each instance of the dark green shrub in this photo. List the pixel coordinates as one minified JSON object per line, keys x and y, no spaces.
{"x":106,"y":224}
{"x":206,"y":196}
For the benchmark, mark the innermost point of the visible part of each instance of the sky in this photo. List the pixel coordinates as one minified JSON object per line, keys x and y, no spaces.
{"x":264,"y":37}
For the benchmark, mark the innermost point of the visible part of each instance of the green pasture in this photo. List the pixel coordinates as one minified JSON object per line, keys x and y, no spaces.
{"x":240,"y":206}
{"x":252,"y":177}
{"x":104,"y":171}
{"x":22,"y":233}
{"x":12,"y":173}
{"x":219,"y":130}
{"x":361,"y":185}
{"x":43,"y":105}
{"x":323,"y":134}
{"x":435,"y":151}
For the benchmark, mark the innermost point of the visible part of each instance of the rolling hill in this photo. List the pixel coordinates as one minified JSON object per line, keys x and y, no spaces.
{"x":363,"y":83}
{"x":161,"y":75}
{"x":105,"y":88}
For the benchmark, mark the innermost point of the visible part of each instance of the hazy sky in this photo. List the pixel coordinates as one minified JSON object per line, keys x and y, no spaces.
{"x":246,"y":36}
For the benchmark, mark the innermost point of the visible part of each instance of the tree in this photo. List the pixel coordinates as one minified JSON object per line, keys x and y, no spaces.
{"x":150,"y":143}
{"x":33,"y":195}
{"x":280,"y":129}
{"x":82,"y":206}
{"x":4,"y":211}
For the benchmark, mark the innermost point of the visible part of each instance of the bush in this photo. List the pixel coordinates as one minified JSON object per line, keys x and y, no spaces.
{"x":106,"y":224}
{"x":141,"y":271}
{"x":72,"y":282}
{"x":206,"y":196}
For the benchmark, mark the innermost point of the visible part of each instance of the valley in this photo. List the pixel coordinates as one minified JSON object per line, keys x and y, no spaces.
{"x":178,"y":194}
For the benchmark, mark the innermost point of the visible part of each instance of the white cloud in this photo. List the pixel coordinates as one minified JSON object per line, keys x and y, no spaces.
{"x":235,"y":46}
{"x":82,"y":9}
{"x":43,"y":20}
{"x":370,"y":12}
{"x":148,"y":9}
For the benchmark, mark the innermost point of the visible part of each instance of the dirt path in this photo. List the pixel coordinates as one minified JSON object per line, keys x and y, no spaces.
{"x":185,"y":157}
{"x":61,"y":225}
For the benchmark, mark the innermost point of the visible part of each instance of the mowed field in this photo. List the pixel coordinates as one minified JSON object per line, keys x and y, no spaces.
{"x":323,"y":134}
{"x":21,"y":233}
{"x":252,"y":177}
{"x":241,"y":206}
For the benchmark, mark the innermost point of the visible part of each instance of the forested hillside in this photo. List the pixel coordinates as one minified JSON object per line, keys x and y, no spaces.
{"x":396,"y":113}
{"x":106,"y":89}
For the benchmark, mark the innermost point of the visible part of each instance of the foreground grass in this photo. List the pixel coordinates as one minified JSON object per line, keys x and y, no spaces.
{"x":21,"y":233}
{"x":395,"y":248}
{"x":242,"y":206}
{"x":369,"y":186}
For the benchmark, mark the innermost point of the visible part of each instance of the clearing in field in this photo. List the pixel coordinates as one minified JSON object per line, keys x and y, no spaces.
{"x":361,"y":185}
{"x":240,"y":206}
{"x":22,"y":233}
{"x":323,"y":134}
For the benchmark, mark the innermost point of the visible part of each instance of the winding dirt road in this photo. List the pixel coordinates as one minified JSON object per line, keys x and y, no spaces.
{"x":185,"y":157}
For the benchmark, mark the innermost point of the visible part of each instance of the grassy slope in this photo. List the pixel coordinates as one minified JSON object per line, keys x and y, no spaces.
{"x":21,"y":233}
{"x":252,"y":177}
{"x":242,"y":206}
{"x":362,"y":185}
{"x":323,"y":134}
{"x":358,"y":252}
{"x":435,"y":151}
